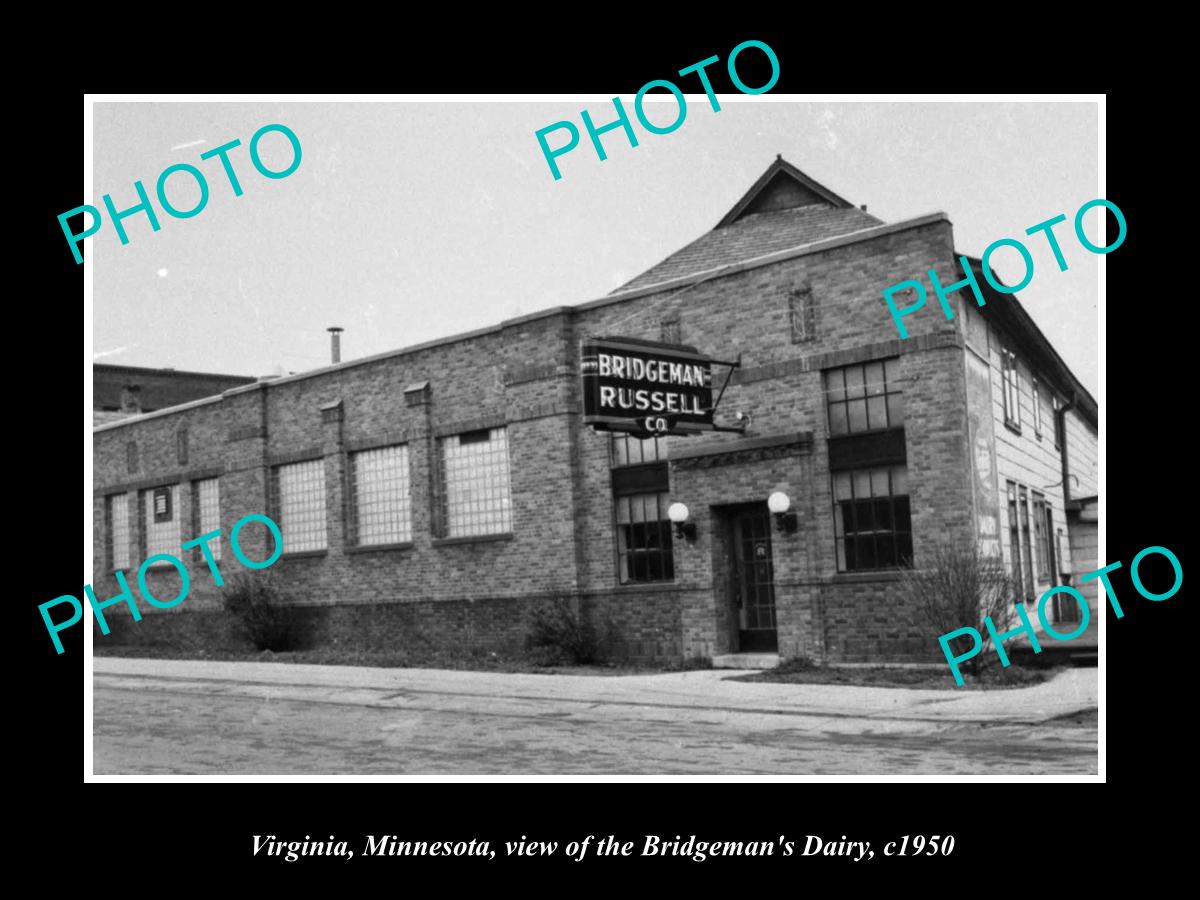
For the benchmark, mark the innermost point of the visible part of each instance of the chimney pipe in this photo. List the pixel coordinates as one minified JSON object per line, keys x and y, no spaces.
{"x":335,"y":343}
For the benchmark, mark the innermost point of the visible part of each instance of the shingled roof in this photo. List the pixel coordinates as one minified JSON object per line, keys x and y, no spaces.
{"x":783,"y":209}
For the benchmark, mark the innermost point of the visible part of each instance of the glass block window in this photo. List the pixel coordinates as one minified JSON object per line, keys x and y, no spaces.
{"x":117,"y":515}
{"x":300,"y":505}
{"x":476,"y":495}
{"x":161,"y":521}
{"x":644,"y":538}
{"x":631,"y":451}
{"x":206,"y":500}
{"x":382,"y":511}
{"x":864,"y":397}
{"x":872,"y":524}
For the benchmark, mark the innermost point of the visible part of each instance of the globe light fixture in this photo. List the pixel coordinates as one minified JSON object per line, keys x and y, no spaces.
{"x":779,"y":503}
{"x":678,"y":514}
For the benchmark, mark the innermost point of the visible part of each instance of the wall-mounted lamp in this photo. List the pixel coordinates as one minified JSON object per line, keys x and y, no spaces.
{"x":778,"y":503}
{"x":678,"y":514}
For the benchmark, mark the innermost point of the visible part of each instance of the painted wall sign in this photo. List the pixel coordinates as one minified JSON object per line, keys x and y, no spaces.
{"x":645,"y":387}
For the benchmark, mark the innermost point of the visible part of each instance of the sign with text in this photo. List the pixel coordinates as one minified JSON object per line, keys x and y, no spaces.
{"x":645,"y":387}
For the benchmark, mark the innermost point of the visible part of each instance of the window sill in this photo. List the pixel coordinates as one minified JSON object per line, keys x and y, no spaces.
{"x":643,"y":586}
{"x":472,"y":539}
{"x":1012,"y":426}
{"x":304,"y":554}
{"x":871,"y":575}
{"x":371,"y":548}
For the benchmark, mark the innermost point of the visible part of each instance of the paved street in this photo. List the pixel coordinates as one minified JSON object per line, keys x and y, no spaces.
{"x":190,"y":717}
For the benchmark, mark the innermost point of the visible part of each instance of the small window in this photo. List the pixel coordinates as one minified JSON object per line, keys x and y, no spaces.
{"x":382,"y":512}
{"x":872,"y":523}
{"x":1012,"y":389}
{"x":803,"y":315}
{"x":864,"y":397}
{"x":300,"y":506}
{"x":1037,"y":410}
{"x":476,"y":491}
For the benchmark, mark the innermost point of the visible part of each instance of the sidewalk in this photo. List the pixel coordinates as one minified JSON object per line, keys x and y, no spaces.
{"x":1073,"y":690}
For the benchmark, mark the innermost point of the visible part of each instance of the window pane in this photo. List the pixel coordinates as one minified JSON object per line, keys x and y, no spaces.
{"x":904,"y":551}
{"x":302,"y":506}
{"x":163,"y":536}
{"x":885,"y":547}
{"x":476,"y":481}
{"x":381,"y":495}
{"x":854,"y":382}
{"x":620,"y":452}
{"x":118,"y":530}
{"x":208,"y":511}
{"x":858,"y":415}
{"x":883,"y":514}
{"x":901,"y":511}
{"x":644,"y":545}
{"x":877,"y":413}
{"x":899,"y":480}
{"x":865,"y":552}
{"x":862,"y":483}
{"x":837,"y":418}
{"x":895,"y":408}
{"x":838,"y":527}
{"x":874,"y":378}
{"x":879,"y":483}
{"x":864,"y":515}
{"x":841,"y":486}
{"x":891,"y":370}
{"x":835,"y":384}
{"x":841,"y":555}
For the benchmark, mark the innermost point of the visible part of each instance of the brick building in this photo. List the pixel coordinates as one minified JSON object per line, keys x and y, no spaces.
{"x":119,"y":392}
{"x":435,"y":494}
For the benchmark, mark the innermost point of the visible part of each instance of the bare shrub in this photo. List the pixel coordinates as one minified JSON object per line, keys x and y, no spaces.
{"x":958,"y":586}
{"x":263,"y":612}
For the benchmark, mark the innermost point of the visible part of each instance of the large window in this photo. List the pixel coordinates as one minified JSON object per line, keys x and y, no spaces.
{"x":117,"y":516}
{"x":1020,"y":539}
{"x":476,"y":493}
{"x":382,"y":512}
{"x":206,"y":501}
{"x":644,"y":551}
{"x":640,"y":496}
{"x":871,"y":518}
{"x":161,"y":521}
{"x":1012,"y":388}
{"x":864,"y":397}
{"x":1042,"y":524}
{"x":300,"y":505}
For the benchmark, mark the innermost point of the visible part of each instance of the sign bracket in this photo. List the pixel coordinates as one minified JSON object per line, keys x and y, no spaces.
{"x":736,"y":364}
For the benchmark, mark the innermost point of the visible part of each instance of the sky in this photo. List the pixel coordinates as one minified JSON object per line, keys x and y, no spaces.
{"x":407,"y":222}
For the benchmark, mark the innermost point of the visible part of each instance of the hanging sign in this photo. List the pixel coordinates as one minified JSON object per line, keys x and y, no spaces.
{"x":645,"y":387}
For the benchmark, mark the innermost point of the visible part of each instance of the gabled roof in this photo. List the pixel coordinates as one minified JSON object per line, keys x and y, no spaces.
{"x":784,"y":209}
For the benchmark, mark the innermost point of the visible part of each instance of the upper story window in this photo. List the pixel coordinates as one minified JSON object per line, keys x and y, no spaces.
{"x":1037,"y":409}
{"x":300,"y":505}
{"x":476,"y":491}
{"x":1059,"y":423}
{"x":1012,"y":388}
{"x":382,"y":511}
{"x":864,"y":397}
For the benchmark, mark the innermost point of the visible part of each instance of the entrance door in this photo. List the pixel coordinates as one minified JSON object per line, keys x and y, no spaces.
{"x":753,"y":580}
